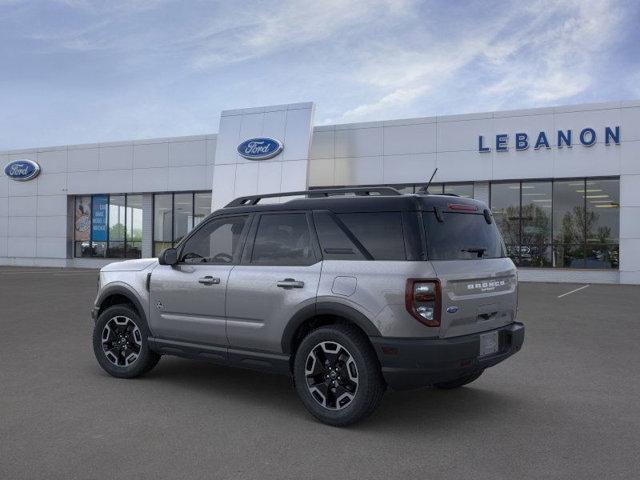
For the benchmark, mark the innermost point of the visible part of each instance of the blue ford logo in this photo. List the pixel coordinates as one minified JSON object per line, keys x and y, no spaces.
{"x":452,"y":309}
{"x":22,"y":170}
{"x":260,"y":148}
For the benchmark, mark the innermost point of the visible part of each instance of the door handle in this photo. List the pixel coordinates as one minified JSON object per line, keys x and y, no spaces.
{"x":290,"y":283}
{"x":209,"y":280}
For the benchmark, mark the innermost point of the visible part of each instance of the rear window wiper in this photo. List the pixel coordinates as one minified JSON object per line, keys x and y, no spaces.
{"x":479,"y":250}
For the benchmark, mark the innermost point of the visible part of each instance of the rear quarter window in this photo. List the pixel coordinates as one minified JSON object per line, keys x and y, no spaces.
{"x":380,"y":233}
{"x":462,"y":236}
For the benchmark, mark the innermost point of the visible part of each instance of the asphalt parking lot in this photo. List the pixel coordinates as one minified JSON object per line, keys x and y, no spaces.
{"x":567,"y":406}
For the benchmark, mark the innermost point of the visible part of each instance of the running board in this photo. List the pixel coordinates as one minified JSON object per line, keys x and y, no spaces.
{"x":222,"y":355}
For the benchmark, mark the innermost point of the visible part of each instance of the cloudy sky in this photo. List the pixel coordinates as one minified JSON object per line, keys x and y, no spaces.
{"x":81,"y":71}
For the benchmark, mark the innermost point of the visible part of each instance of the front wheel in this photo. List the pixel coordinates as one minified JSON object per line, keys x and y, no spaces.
{"x":337,"y":375}
{"x":120,"y":343}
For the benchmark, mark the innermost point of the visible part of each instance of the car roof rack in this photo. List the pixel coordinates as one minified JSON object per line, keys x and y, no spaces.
{"x":320,"y":192}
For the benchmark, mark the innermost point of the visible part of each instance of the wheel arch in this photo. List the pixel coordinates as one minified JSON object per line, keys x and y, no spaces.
{"x":119,"y":294}
{"x":321,"y":314}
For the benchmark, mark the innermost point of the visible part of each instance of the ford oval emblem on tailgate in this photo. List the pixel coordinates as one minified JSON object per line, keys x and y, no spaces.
{"x":452,"y":309}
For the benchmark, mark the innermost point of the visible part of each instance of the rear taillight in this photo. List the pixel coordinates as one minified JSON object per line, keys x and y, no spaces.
{"x":422,"y":299}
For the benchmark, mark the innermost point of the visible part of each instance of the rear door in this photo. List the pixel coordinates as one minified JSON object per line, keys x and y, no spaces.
{"x":278,"y":275}
{"x":188,"y":299}
{"x":478,"y":282}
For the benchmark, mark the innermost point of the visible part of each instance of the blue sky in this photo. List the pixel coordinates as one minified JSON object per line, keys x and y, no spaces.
{"x":77,"y":71}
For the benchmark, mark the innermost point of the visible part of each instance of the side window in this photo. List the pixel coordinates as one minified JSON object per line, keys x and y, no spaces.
{"x":334,"y":242}
{"x":283,"y":239}
{"x":380,"y":233}
{"x":216,"y":242}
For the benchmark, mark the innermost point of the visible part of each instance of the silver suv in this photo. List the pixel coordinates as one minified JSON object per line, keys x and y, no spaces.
{"x":347,"y":290}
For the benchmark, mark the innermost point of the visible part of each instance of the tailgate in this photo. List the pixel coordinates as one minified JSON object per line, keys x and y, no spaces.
{"x":477,"y":295}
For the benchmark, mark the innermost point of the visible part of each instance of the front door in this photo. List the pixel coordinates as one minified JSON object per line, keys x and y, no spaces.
{"x":278,"y":276}
{"x":187,"y":300}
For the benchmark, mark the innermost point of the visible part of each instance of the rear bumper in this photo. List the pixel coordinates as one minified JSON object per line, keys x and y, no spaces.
{"x":411,"y":363}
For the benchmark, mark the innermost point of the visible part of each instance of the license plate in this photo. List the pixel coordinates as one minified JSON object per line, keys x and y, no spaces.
{"x":488,"y":343}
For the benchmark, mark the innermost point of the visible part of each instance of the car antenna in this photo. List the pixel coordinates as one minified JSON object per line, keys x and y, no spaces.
{"x":430,"y":180}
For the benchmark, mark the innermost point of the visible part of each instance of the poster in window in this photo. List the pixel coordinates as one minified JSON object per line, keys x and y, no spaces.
{"x":83,"y":219}
{"x":99,"y":218}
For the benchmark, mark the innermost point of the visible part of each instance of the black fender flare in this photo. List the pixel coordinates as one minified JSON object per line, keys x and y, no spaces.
{"x":326,"y":308}
{"x":121,"y":289}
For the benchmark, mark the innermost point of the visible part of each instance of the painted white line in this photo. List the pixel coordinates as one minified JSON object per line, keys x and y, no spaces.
{"x":573,"y":291}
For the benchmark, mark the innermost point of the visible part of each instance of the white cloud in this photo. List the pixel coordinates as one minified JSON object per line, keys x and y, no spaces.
{"x":544,"y":52}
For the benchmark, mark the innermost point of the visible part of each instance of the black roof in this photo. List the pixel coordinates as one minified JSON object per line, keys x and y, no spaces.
{"x":359,"y":203}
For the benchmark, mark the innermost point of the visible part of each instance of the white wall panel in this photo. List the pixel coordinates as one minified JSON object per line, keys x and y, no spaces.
{"x":100,"y":181}
{"x":151,"y":155}
{"x":630,"y":124}
{"x":51,"y":247}
{"x":52,"y":226}
{"x":246,"y":179}
{"x":22,"y":227}
{"x":358,"y":171}
{"x":52,"y":161}
{"x":297,"y":136}
{"x":22,"y":206}
{"x":463,"y":135}
{"x":463,"y":166}
{"x":188,"y":153}
{"x":358,"y":142}
{"x":150,"y":180}
{"x":51,"y":205}
{"x":630,"y":157}
{"x":270,"y":177}
{"x":405,"y":139}
{"x":322,"y":144}
{"x":118,"y":157}
{"x":52,"y":183}
{"x":414,"y":168}
{"x":21,"y":246}
{"x":83,"y":159}
{"x":321,"y":172}
{"x":188,"y":178}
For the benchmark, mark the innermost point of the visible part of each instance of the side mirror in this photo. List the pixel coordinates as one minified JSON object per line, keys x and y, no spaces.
{"x":168,"y":256}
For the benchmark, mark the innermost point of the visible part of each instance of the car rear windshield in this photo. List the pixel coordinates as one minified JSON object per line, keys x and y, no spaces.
{"x":462,"y":236}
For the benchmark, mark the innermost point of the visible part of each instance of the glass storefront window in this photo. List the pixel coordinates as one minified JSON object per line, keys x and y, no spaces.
{"x":162,"y":222}
{"x":201,"y":207}
{"x":461,"y":189}
{"x":108,"y":226}
{"x":182,"y":215}
{"x":134,"y":226}
{"x":117,"y":220}
{"x":505,"y":205}
{"x":535,"y":242}
{"x":564,"y":223}
{"x":175,"y":215}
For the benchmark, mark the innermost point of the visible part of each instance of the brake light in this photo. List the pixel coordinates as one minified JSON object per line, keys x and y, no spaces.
{"x":422,"y":300}
{"x":461,"y":207}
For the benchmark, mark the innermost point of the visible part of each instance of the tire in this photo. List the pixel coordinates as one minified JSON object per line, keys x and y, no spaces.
{"x":120,"y":325}
{"x":459,"y":382}
{"x":337,"y":375}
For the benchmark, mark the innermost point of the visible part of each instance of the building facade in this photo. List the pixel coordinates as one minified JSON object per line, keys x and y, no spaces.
{"x":563,"y":182}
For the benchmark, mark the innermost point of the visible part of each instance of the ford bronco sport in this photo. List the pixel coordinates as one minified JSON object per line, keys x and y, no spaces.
{"x":347,"y":290}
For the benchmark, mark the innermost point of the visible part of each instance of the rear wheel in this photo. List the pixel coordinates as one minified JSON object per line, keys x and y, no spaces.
{"x":120,"y":343}
{"x":459,"y":382}
{"x":337,"y":375}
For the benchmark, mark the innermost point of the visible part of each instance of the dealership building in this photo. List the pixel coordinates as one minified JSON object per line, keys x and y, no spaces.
{"x":563,"y":182}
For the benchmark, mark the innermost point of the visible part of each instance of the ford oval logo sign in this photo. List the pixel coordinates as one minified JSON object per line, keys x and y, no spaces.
{"x":260,"y":148}
{"x":22,"y":170}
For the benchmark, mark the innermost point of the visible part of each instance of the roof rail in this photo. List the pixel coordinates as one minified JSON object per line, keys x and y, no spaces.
{"x":320,"y":192}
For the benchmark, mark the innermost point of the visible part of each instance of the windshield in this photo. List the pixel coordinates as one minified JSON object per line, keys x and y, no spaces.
{"x":462,"y":236}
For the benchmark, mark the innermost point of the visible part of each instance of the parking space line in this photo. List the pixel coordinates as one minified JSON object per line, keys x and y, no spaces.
{"x":573,"y":291}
